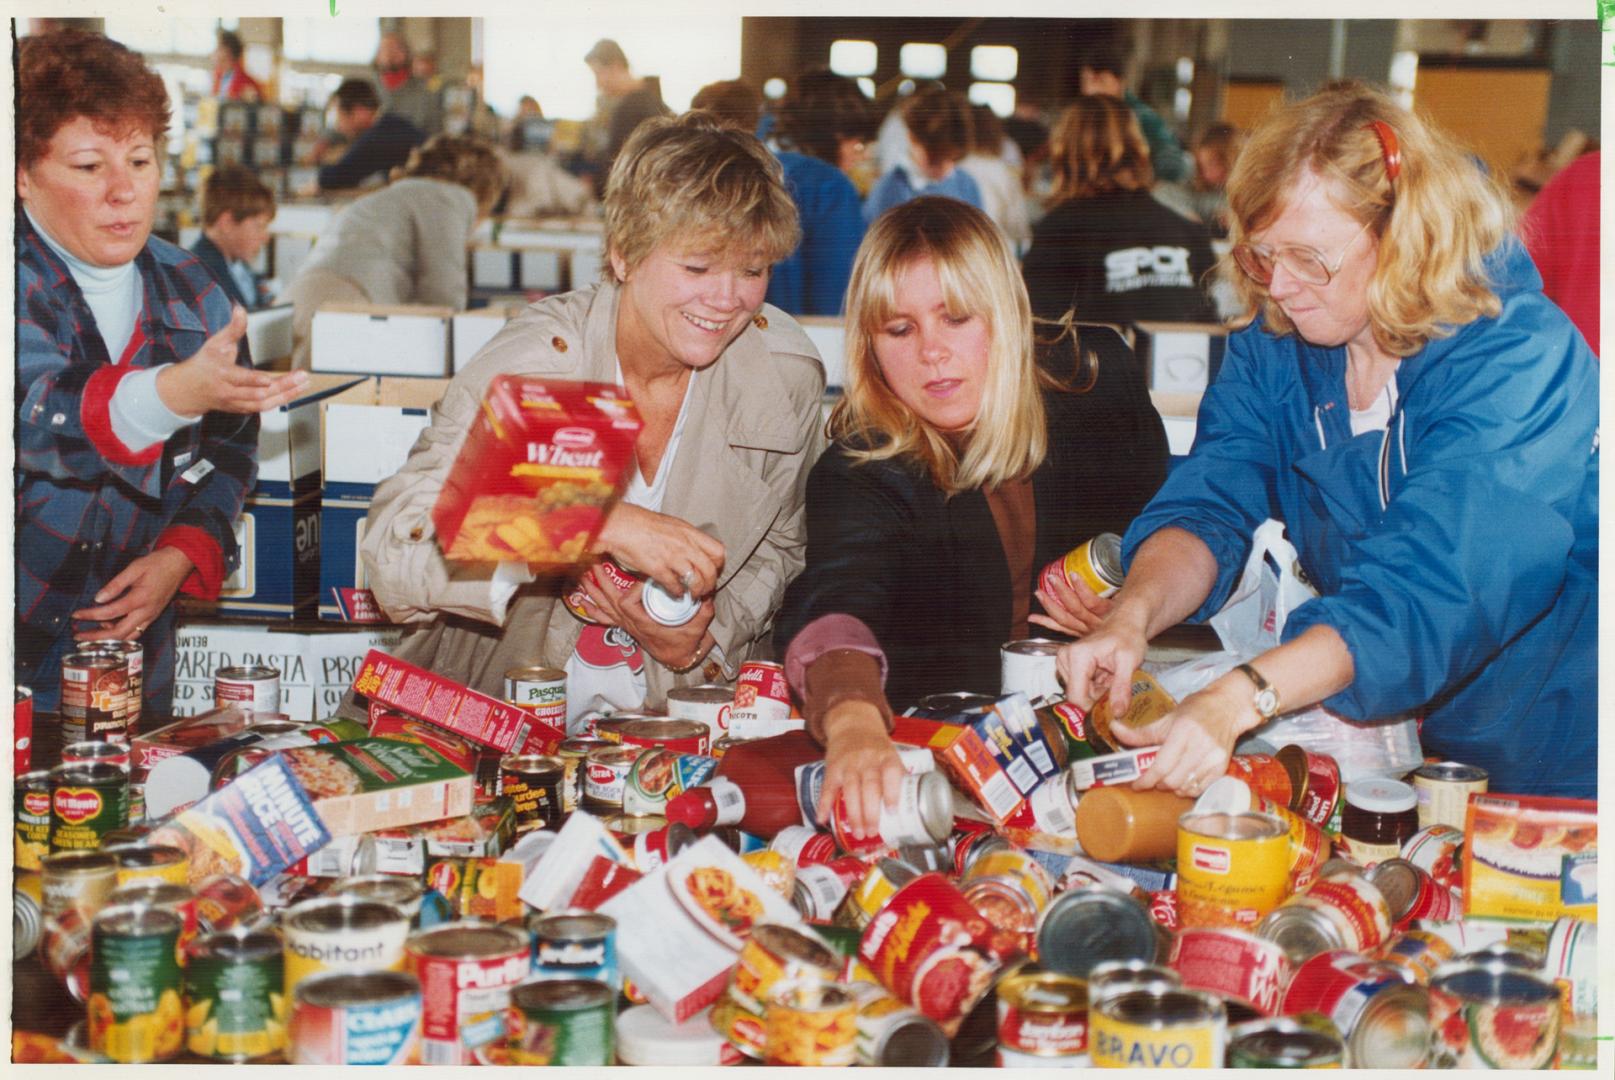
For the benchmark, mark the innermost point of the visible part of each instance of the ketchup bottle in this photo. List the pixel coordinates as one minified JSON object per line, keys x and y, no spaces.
{"x":752,"y":789}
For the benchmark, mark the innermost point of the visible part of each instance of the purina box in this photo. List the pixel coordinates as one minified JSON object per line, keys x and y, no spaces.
{"x":269,"y":335}
{"x":474,"y":329}
{"x":382,"y":339}
{"x":1181,"y":358}
{"x":317,"y":663}
{"x":370,"y":429}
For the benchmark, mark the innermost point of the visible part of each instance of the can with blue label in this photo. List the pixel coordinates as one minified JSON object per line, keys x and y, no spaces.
{"x":576,"y":944}
{"x":356,"y":1018}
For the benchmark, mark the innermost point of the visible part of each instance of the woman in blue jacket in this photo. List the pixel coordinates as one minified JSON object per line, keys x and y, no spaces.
{"x":1425,"y":423}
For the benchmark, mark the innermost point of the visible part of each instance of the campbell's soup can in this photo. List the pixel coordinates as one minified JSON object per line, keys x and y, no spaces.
{"x":1042,"y":1021}
{"x":253,"y":687}
{"x":707,"y":704}
{"x":22,"y":730}
{"x":1096,"y":562}
{"x":539,"y":690}
{"x":342,"y":933}
{"x":1027,"y":667}
{"x":762,"y":701}
{"x":466,"y":971}
{"x":355,"y":1018}
{"x":610,"y":575}
{"x":1232,"y":868}
{"x":1157,"y":1028}
{"x":1237,"y":966}
{"x":95,"y":691}
{"x":1492,"y":1015}
{"x":680,"y":736}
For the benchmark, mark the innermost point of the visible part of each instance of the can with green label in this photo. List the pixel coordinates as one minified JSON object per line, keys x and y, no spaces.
{"x":87,"y":801}
{"x":135,"y":1012}
{"x":33,"y":819}
{"x":562,"y":1022}
{"x":234,"y":1008}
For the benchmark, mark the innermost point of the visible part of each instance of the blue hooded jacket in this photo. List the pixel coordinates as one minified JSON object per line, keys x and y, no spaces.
{"x":1456,"y":552}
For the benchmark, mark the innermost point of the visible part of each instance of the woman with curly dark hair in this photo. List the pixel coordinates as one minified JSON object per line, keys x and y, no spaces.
{"x":137,"y":403}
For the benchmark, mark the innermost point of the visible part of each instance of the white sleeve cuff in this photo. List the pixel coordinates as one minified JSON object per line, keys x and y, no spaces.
{"x":139,"y":417}
{"x":508,"y":576}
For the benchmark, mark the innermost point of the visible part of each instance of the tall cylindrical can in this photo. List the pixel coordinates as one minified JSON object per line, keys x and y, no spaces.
{"x":466,"y":972}
{"x":135,"y":1010}
{"x":342,"y":933}
{"x":32,"y":819}
{"x":132,"y":654}
{"x":95,"y":690}
{"x":87,"y":802}
{"x":923,"y":815}
{"x":562,"y":1022}
{"x":22,"y":731}
{"x":1096,"y":562}
{"x":707,"y":704}
{"x":575,"y":944}
{"x":1232,"y":868}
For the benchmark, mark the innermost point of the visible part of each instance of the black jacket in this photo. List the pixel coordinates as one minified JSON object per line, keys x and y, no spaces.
{"x":1119,"y":258}
{"x":379,"y":149}
{"x":928,"y":574}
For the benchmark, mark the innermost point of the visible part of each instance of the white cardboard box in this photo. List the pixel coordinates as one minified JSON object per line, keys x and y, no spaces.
{"x":474,"y":329}
{"x":317,"y":666}
{"x":289,"y":451}
{"x":382,"y":339}
{"x":1179,"y":355}
{"x":1178,"y":412}
{"x":371,"y":427}
{"x":269,"y":335}
{"x":829,"y":336}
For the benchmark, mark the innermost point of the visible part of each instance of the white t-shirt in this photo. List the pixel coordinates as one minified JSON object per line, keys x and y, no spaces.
{"x":1378,"y":413}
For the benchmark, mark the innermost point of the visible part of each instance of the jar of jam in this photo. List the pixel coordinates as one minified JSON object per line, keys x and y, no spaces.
{"x":1380,"y":815}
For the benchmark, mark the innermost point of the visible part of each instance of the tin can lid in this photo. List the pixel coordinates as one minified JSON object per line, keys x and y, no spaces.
{"x":704,"y":694}
{"x":1285,"y":1042}
{"x":665,"y":608}
{"x":646,"y":1037}
{"x":1452,"y":772}
{"x":337,"y":988}
{"x":1398,"y":880}
{"x":1302,"y":932}
{"x":1393,"y":1030}
{"x":1036,"y":646}
{"x":1084,"y":927}
{"x":468,"y":940}
{"x":910,"y":1040}
{"x":1224,"y":795}
{"x":561,"y":995}
{"x":1379,"y":795}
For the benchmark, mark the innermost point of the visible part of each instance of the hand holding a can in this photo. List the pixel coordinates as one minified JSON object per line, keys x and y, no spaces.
{"x":1196,"y":739}
{"x":1102,"y":664}
{"x":134,"y":599}
{"x":861,"y":763}
{"x":678,"y":647}
{"x":1071,"y":606}
{"x":675,"y":554}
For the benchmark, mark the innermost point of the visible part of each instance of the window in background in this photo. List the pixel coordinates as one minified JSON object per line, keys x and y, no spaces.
{"x":923,"y":61}
{"x":774,"y":89}
{"x":173,"y":37}
{"x":853,"y":57}
{"x":314,"y":40}
{"x":543,"y":56}
{"x":996,"y":63}
{"x":1183,"y":97}
{"x":1404,"y":74}
{"x":867,"y":85}
{"x":997,"y":96}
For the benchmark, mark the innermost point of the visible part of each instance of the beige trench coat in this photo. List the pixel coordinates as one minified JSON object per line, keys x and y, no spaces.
{"x":752,"y":433}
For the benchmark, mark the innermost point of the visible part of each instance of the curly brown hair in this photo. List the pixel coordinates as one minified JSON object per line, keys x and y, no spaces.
{"x":71,"y":73}
{"x":471,"y":162}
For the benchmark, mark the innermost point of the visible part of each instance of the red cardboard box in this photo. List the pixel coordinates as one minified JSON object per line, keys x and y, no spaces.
{"x":390,"y":683}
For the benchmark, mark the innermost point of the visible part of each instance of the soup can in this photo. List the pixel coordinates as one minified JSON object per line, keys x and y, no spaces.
{"x":1380,"y":1012}
{"x":762,"y":704}
{"x":235,"y":1009}
{"x":135,"y":1011}
{"x":606,"y":776}
{"x":533,"y":783}
{"x":1158,"y":1029}
{"x":87,"y":802}
{"x":810,"y":1022}
{"x":1412,"y":894}
{"x":342,"y":933}
{"x":22,"y":731}
{"x":575,"y":944}
{"x":1042,"y":1020}
{"x":1438,"y":850}
{"x":679,"y":736}
{"x":466,"y":971}
{"x":1342,"y":910}
{"x":1317,"y":793}
{"x":1443,"y":789}
{"x":95,"y":697}
{"x":539,"y":690}
{"x":252,"y":687}
{"x":355,"y":1018}
{"x":1232,"y":868}
{"x":1492,"y":1016}
{"x":707,"y":704}
{"x":659,"y":774}
{"x":804,"y":845}
{"x":1087,"y":926}
{"x":775,"y":954}
{"x":33,"y":817}
{"x":562,"y":1022}
{"x":1237,"y":966}
{"x":1286,"y":1042}
{"x":1027,"y":667}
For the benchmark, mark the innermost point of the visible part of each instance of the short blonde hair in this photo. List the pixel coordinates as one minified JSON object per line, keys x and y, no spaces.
{"x":1096,"y":148}
{"x":979,"y":275}
{"x":1435,"y":224}
{"x":710,"y":186}
{"x":459,"y":159}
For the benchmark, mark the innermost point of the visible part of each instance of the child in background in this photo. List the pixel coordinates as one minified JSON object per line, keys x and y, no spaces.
{"x":237,"y":208}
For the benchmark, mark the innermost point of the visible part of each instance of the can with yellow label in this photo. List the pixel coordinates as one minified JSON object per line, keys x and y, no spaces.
{"x":1158,"y":1028}
{"x":1233,"y":868}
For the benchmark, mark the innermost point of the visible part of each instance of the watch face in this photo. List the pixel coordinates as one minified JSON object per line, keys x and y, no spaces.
{"x":1267,"y":702}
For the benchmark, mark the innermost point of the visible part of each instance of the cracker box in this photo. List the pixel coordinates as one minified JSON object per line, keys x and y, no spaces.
{"x":256,"y":826}
{"x":184,"y":735}
{"x":392,"y":684}
{"x":1530,"y":857}
{"x":542,"y":464}
{"x":371,"y":784}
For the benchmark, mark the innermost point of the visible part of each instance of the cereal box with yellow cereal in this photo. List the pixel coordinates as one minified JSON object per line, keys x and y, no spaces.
{"x":542,"y":464}
{"x":1531,"y":857}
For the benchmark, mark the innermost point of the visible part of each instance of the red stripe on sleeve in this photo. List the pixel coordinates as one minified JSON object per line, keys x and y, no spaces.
{"x":96,"y":416}
{"x":207,"y":578}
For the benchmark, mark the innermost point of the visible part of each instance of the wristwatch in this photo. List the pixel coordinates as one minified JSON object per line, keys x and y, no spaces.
{"x":1267,"y":698}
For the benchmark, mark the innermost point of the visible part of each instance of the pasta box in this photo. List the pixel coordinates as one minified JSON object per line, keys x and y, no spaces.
{"x":1530,"y":857}
{"x":370,"y":784}
{"x":393,"y":684}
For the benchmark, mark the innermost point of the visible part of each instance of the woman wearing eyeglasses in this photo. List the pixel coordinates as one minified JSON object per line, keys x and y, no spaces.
{"x":1425,"y":424}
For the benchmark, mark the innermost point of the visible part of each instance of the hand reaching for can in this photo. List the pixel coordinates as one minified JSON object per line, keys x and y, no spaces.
{"x":861,"y":763}
{"x":1197,"y":739}
{"x":1071,"y":606}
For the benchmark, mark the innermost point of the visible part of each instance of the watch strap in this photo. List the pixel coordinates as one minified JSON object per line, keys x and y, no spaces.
{"x":1264,"y":690}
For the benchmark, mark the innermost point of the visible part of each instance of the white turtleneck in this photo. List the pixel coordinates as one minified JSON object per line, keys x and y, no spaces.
{"x":116,"y":296}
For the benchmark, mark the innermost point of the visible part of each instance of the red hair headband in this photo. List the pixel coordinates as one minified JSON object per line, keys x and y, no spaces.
{"x":1390,"y":149}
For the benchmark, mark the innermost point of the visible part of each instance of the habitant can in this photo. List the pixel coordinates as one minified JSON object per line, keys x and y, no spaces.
{"x":1158,"y":1029}
{"x":562,"y":1022}
{"x":95,"y":690}
{"x":533,"y":784}
{"x":575,"y":944}
{"x":135,"y":1012}
{"x":235,"y":1009}
{"x":1027,"y":667}
{"x":1096,"y":562}
{"x":1443,"y":789}
{"x":539,"y":690}
{"x":342,"y":933}
{"x":33,"y":819}
{"x":466,"y":971}
{"x":1042,"y":1020}
{"x":87,"y":802}
{"x":355,"y":1018}
{"x":252,"y":687}
{"x":810,"y":1022}
{"x":1232,"y":868}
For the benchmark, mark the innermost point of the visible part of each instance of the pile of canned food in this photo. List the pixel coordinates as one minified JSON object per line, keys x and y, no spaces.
{"x":458,"y":881}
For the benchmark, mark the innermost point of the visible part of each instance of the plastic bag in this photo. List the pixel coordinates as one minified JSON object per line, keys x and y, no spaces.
{"x":1252,"y":622}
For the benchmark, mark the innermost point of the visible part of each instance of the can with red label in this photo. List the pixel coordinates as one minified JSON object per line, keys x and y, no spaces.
{"x":1235,"y":965}
{"x":1096,"y":562}
{"x":610,"y":576}
{"x":1492,"y":1015}
{"x":707,"y":704}
{"x":762,"y":701}
{"x":1232,"y":868}
{"x":934,"y":951}
{"x":923,"y":815}
{"x":355,"y":1018}
{"x":1420,"y":952}
{"x":466,"y":971}
{"x":1380,"y":1012}
{"x":1163,"y":907}
{"x":1266,"y":775}
{"x":253,"y":687}
{"x":1342,"y":910}
{"x":1413,"y":894}
{"x":1309,"y":846}
{"x":133,"y":655}
{"x":1042,"y":1021}
{"x":95,"y":689}
{"x":1316,"y":790}
{"x":539,"y":690}
{"x":605,"y":775}
{"x":87,"y":802}
{"x":679,"y":736}
{"x":1438,"y":850}
{"x":804,"y":845}
{"x":22,"y":730}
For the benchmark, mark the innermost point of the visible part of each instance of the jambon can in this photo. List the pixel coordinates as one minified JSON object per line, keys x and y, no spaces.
{"x":1233,"y":964}
{"x":1382,"y":1014}
{"x":355,"y":1018}
{"x":1042,"y":1020}
{"x":1492,"y":1016}
{"x":466,"y":971}
{"x":1158,"y":1028}
{"x":934,"y":951}
{"x":1232,"y":868}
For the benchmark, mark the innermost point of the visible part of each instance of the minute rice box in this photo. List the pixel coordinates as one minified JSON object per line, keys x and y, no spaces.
{"x":542,"y":464}
{"x":371,"y":784}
